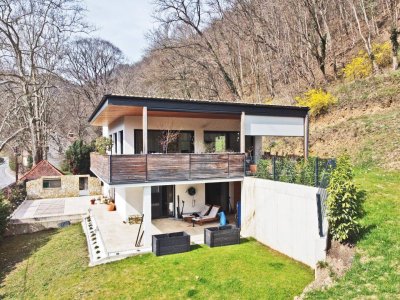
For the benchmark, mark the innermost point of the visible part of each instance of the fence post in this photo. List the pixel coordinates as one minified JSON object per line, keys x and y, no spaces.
{"x":316,"y":172}
{"x":319,"y":211}
{"x":274,"y":167}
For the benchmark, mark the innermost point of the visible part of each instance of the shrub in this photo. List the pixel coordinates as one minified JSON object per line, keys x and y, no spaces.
{"x":344,"y":205}
{"x":317,"y":100}
{"x":5,"y":211}
{"x":383,"y":54}
{"x":359,"y":67}
{"x":78,"y":157}
{"x":263,"y":169}
{"x":103,"y":144}
{"x":30,"y":161}
{"x":16,"y":195}
{"x":286,"y":170}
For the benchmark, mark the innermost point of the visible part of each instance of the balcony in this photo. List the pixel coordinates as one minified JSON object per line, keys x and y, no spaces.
{"x":138,"y":168}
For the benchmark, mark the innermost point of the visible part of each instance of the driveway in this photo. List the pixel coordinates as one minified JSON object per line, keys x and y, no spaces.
{"x":5,"y":176}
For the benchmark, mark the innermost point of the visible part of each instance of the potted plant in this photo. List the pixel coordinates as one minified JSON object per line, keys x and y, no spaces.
{"x":252,"y":163}
{"x":103,"y":144}
{"x":111,"y":205}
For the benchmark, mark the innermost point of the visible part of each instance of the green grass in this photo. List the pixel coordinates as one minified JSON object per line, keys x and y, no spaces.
{"x":53,"y":265}
{"x":375,"y":273}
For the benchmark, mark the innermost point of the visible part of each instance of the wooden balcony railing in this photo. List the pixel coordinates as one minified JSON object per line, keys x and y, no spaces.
{"x":119,"y":169}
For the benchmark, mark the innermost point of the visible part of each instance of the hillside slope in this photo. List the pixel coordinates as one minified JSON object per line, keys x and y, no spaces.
{"x":364,"y":122}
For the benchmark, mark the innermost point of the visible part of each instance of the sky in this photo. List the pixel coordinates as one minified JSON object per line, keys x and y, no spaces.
{"x":122,"y":22}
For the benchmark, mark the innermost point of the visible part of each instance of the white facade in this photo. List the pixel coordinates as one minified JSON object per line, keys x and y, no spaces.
{"x":129,"y":123}
{"x":280,"y":215}
{"x":284,"y":217}
{"x":129,"y":200}
{"x":274,"y":126}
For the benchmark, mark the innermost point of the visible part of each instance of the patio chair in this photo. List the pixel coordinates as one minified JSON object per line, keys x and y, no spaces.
{"x":211,"y":217}
{"x":202,"y":213}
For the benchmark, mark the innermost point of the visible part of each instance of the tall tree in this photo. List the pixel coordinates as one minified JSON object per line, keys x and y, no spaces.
{"x":33,"y":35}
{"x":92,"y":64}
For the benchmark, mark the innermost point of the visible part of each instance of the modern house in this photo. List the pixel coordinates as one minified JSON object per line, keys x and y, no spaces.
{"x":162,"y":147}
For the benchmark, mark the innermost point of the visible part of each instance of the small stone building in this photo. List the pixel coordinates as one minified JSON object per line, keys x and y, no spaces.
{"x":46,"y":181}
{"x":63,"y":186}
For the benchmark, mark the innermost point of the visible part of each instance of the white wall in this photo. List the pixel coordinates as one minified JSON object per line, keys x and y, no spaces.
{"x":284,"y":217}
{"x":129,"y":201}
{"x":120,"y":202}
{"x":275,"y":126}
{"x":200,"y":197}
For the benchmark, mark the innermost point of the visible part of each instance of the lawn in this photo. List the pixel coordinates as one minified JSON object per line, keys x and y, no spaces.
{"x":53,"y":265}
{"x":375,"y":274}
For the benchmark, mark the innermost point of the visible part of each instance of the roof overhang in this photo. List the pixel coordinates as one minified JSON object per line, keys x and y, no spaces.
{"x":113,"y":107}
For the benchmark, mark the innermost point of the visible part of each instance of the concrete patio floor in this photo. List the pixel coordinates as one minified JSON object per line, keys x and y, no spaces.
{"x":118,"y":238}
{"x":46,"y":208}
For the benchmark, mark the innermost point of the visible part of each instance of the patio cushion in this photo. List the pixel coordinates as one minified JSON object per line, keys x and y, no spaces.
{"x":205,"y":210}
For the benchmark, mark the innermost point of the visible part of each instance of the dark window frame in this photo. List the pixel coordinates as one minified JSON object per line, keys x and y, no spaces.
{"x":121,"y":141}
{"x":138,"y":139}
{"x":115,"y":135}
{"x":227,"y":137}
{"x":51,"y":183}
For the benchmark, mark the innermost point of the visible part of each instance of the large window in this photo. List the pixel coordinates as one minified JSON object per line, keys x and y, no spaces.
{"x":222,"y":141}
{"x":115,"y":141}
{"x":52,"y":183}
{"x":183,"y":143}
{"x":121,"y":142}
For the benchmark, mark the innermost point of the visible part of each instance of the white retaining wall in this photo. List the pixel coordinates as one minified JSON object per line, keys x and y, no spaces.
{"x":284,"y":217}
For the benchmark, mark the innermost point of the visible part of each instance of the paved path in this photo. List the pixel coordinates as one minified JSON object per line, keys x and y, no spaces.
{"x":56,"y":207}
{"x":5,"y":177}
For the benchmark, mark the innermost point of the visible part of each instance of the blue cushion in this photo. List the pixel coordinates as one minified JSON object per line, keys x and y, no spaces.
{"x":222,"y":218}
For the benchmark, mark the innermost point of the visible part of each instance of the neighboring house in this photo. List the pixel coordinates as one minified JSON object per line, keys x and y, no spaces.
{"x":144,"y":180}
{"x":46,"y":181}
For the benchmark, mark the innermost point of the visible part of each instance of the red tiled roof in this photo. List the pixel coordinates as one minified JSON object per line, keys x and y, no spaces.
{"x":43,"y":168}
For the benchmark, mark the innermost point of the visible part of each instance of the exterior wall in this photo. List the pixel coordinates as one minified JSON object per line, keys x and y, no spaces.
{"x":284,"y":217}
{"x":199,"y":198}
{"x":69,"y":187}
{"x":198,"y":125}
{"x":275,"y":126}
{"x":129,"y":201}
{"x":94,"y":186}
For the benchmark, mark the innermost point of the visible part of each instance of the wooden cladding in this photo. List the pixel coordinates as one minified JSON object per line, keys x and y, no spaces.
{"x":100,"y":165}
{"x":118,"y":169}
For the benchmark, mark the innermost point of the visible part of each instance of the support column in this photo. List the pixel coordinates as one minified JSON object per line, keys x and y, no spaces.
{"x":258,"y":147}
{"x":147,"y":216}
{"x":242,"y":134}
{"x":144,"y":126}
{"x":306,"y":125}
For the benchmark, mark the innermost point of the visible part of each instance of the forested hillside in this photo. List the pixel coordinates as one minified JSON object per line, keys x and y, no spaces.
{"x":53,"y":73}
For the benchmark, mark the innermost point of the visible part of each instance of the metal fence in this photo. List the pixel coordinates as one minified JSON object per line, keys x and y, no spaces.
{"x":312,"y":172}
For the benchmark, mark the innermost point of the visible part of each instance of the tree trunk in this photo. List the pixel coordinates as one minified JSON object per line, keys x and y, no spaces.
{"x":395,"y":62}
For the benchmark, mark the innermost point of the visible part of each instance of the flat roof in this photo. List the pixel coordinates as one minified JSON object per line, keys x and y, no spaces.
{"x":197,"y":106}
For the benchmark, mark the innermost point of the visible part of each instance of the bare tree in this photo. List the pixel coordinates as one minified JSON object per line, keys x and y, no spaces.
{"x":192,"y":15}
{"x":91,"y":65}
{"x":394,"y":31}
{"x":32,"y":40}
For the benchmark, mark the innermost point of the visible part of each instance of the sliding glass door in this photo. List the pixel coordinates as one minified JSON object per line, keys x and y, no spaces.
{"x":162,"y":141}
{"x":222,"y":141}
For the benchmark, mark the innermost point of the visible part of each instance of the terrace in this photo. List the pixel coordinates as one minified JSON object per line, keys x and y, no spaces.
{"x":141,"y":168}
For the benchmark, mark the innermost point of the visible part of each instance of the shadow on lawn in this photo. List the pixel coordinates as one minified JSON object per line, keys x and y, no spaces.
{"x":15,"y":249}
